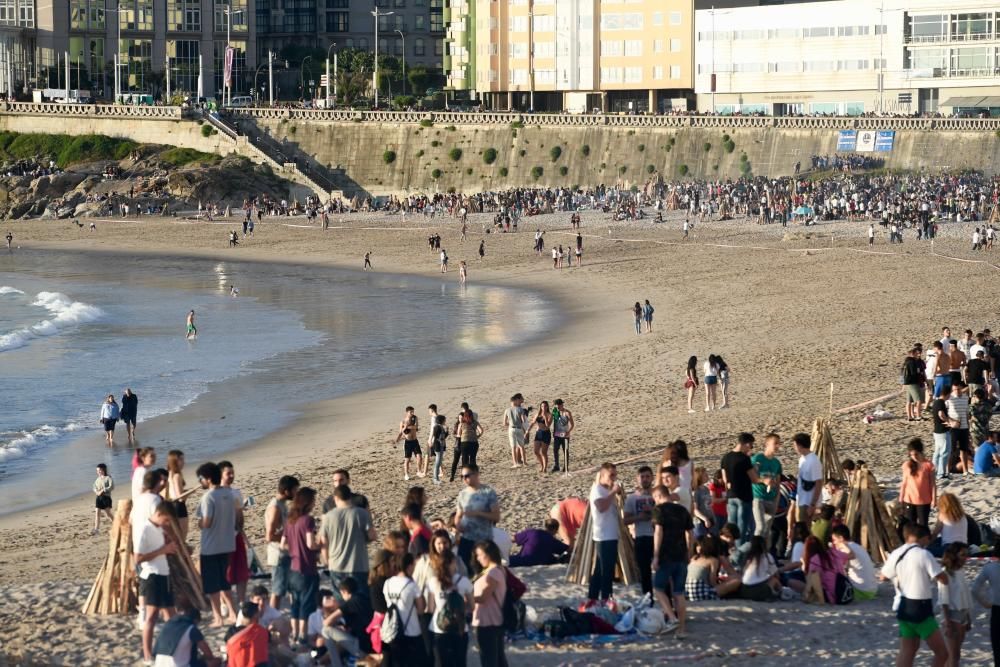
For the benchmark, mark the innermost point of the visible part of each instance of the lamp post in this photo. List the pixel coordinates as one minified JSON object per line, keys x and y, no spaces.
{"x":328,"y":82}
{"x":376,"y":13}
{"x":302,"y":80}
{"x":228,"y":86}
{"x":270,"y":78}
{"x":255,"y":75}
{"x":402,"y":37}
{"x":118,"y":48}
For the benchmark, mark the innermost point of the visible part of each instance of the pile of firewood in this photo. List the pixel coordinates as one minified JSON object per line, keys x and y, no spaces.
{"x":868,"y":518}
{"x":114,"y":590}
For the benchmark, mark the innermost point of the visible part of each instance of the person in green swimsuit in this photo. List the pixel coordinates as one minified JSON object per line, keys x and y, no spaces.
{"x":192,"y":330}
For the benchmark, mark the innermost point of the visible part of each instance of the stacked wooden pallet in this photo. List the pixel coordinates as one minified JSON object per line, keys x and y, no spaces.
{"x":114,"y":590}
{"x":185,"y":581}
{"x":868,"y":518}
{"x":823,"y":447}
{"x":584,"y":556}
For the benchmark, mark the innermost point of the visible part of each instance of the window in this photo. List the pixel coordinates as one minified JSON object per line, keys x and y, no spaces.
{"x":237,"y":13}
{"x":383,"y":22}
{"x":418,"y":46}
{"x":820,"y":31}
{"x":675,"y":46}
{"x":184,"y":15}
{"x":136,"y":15}
{"x":749,"y":68}
{"x":363,"y":43}
{"x":399,"y":23}
{"x":400,"y":3}
{"x":657,"y":18}
{"x":239,"y":65}
{"x":657,"y":46}
{"x":338,"y":22}
{"x":544,"y":23}
{"x":545,"y":76}
{"x":621,"y":22}
{"x":517,"y":50}
{"x":139,"y":58}
{"x":383,"y":45}
{"x":675,"y":71}
{"x":783,"y":67}
{"x":633,"y":74}
{"x":349,"y":43}
{"x":819,"y":66}
{"x":675,"y":18}
{"x":545,"y":50}
{"x":419,"y":23}
{"x":397,"y":47}
{"x":969,"y":27}
{"x":783,"y":33}
{"x":612,"y":47}
{"x":182,"y":58}
{"x":338,"y":4}
{"x":926,"y":58}
{"x":852,"y":65}
{"x":828,"y":108}
{"x":854,"y":108}
{"x":970,"y":60}
{"x":518,"y":24}
{"x":658,"y":73}
{"x":519,"y":77}
{"x":438,"y":47}
{"x":853,"y":30}
{"x":612,"y":74}
{"x":928,"y":28}
{"x":881,"y":29}
{"x":77,"y":14}
{"x":633,"y":47}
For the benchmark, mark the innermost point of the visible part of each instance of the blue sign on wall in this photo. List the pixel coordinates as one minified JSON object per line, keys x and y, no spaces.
{"x":846,"y":140}
{"x":883,"y":141}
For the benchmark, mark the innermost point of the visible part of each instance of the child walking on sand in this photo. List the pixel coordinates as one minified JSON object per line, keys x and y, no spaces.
{"x":102,"y":502}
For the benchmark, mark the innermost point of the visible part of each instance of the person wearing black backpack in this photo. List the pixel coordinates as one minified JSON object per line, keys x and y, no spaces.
{"x":449,"y":601}
{"x":402,"y":639}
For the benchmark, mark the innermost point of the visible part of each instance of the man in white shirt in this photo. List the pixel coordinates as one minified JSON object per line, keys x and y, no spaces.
{"x":809,"y":483}
{"x":604,"y":520}
{"x":860,"y":568}
{"x":150,"y":549}
{"x":639,"y":517}
{"x":913,"y":571}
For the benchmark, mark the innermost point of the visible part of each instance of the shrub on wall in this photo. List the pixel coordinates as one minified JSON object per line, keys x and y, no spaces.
{"x":426,"y":122}
{"x":585,"y":149}
{"x":490,"y":155}
{"x":536,"y":172}
{"x":563,"y":170}
{"x":555,"y":152}
{"x":707,"y":146}
{"x":642,"y":147}
{"x":455,"y":154}
{"x":650,"y":169}
{"x":206,"y":130}
{"x":516,"y":125}
{"x":389,"y":157}
{"x":682,"y":170}
{"x":504,"y":171}
{"x":436,"y":174}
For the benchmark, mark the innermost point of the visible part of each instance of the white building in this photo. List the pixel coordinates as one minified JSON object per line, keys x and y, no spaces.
{"x":850,"y":57}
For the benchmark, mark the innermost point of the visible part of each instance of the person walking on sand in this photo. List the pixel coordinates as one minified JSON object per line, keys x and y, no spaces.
{"x":368,"y":261}
{"x":192,"y":330}
{"x":562,"y":426}
{"x":444,"y":261}
{"x":515,"y":419}
{"x":463,"y":272}
{"x":871,"y":234}
{"x":129,"y":412}
{"x":637,"y":312}
{"x":913,"y":572}
{"x":482,"y":250}
{"x":408,"y":429}
{"x":723,"y":380}
{"x":10,"y":239}
{"x":711,"y":382}
{"x":690,"y":380}
{"x":109,"y":417}
{"x":103,"y":486}
{"x":647,"y":316}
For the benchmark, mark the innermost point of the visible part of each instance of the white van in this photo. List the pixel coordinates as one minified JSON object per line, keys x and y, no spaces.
{"x":241,"y":101}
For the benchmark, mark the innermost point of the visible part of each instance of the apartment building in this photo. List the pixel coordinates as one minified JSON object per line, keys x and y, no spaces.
{"x":411,"y":28}
{"x":75,"y":44}
{"x":849,"y":57}
{"x":617,"y":55}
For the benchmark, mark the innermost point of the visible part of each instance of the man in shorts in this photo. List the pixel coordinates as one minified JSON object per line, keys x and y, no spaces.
{"x":913,"y":382}
{"x":192,"y":330}
{"x":408,"y":429}
{"x":150,"y":548}
{"x":515,"y":420}
{"x":673,"y":536}
{"x":913,"y":571}
{"x":217,"y":519}
{"x":562,"y":426}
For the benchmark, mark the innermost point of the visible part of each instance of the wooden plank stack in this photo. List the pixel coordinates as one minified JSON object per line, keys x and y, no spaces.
{"x":823,"y":447}
{"x":185,"y":581}
{"x":114,"y":590}
{"x":868,"y":518}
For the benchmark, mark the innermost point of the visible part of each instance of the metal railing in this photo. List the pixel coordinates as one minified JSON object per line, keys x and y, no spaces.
{"x":92,"y":110}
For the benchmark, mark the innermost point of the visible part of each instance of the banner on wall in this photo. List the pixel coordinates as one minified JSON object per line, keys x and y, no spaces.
{"x":866,"y":141}
{"x":884,"y":140}
{"x":846,"y":140}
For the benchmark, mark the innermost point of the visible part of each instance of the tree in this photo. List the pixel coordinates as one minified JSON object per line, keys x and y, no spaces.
{"x":351,"y":85}
{"x":419,"y":79}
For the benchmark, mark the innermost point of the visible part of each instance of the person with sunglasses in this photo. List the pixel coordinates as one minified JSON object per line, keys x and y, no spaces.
{"x":478,"y":510}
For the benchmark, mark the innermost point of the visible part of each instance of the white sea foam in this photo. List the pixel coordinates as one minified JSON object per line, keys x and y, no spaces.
{"x":6,"y":289}
{"x":66,"y":314}
{"x":22,"y":442}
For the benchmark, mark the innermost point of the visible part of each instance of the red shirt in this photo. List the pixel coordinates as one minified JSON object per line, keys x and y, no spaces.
{"x":248,"y":647}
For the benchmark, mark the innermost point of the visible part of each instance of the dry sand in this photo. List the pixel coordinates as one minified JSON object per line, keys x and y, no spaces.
{"x":791,"y":310}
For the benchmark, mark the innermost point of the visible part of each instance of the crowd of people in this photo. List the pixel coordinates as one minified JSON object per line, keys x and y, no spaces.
{"x":846,"y":162}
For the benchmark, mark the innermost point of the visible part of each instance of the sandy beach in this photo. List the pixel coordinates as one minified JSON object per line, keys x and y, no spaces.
{"x":792,"y":310}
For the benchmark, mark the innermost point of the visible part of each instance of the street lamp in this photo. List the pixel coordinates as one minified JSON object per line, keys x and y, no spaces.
{"x":376,"y":13}
{"x":228,"y":86}
{"x":404,"y":59}
{"x":302,"y":80}
{"x":328,"y":82}
{"x":118,"y":48}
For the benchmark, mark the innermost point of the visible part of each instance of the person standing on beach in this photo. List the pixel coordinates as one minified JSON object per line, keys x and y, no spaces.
{"x":467,"y":432}
{"x":151,"y":546}
{"x":344,"y":534}
{"x":739,"y":475}
{"x":238,"y":571}
{"x":639,"y":515}
{"x":109,"y":417}
{"x":217,"y":521}
{"x":102,"y":492}
{"x":408,"y":433}
{"x":482,"y":250}
{"x":146,"y":458}
{"x":543,"y":436}
{"x":637,"y":313}
{"x":515,"y":420}
{"x":647,"y":316}
{"x":192,"y":330}
{"x":765,"y":489}
{"x":604,"y":517}
{"x":129,"y":412}
{"x":10,"y":239}
{"x":691,"y":381}
{"x":562,"y":427}
{"x":913,"y":571}
{"x":275,"y":518}
{"x":477,"y":511}
{"x":463,"y":272}
{"x":176,"y":493}
{"x":444,"y":260}
{"x":368,"y":261}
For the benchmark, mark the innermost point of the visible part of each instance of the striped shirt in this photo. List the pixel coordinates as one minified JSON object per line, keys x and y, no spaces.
{"x":958,"y":409}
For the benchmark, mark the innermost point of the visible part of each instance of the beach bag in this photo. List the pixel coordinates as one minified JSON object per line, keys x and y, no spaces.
{"x":393,"y":625}
{"x":450,"y":618}
{"x":843,"y":590}
{"x":513,"y":608}
{"x":374,"y":631}
{"x":650,"y":621}
{"x":578,"y":623}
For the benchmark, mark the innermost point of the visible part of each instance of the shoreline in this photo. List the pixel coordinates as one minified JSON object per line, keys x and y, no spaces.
{"x":251,"y":453}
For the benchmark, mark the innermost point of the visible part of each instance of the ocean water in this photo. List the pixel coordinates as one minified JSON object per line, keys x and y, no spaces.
{"x":75,"y":327}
